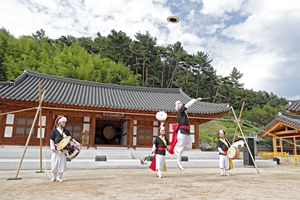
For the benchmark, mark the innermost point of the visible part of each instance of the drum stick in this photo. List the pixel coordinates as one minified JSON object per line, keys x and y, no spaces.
{"x":205,"y":98}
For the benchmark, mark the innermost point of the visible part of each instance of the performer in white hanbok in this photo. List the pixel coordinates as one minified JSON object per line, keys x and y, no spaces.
{"x":184,"y":141}
{"x":223,"y":146}
{"x":160,"y":145}
{"x":58,"y":157}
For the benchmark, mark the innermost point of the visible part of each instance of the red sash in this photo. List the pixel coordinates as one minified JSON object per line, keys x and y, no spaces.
{"x":175,"y":126}
{"x":184,"y":127}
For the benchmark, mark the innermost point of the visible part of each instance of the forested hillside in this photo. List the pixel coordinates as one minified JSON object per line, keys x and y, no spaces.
{"x":139,"y":61}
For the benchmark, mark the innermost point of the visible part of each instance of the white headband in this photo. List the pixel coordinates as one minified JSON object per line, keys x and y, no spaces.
{"x":176,"y":104}
{"x":63,"y":119}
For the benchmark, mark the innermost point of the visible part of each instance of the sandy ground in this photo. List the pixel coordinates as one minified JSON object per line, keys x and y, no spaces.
{"x":281,"y":182}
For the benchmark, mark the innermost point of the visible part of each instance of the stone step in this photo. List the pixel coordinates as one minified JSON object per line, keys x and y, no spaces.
{"x":91,"y":153}
{"x":34,"y":164}
{"x":10,"y":158}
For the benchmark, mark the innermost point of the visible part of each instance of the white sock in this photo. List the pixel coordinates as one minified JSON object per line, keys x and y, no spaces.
{"x":54,"y":175}
{"x":159,"y":172}
{"x":222,"y":170}
{"x":59,"y":175}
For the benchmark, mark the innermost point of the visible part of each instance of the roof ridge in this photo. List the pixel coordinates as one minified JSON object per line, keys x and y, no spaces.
{"x":289,"y":115}
{"x":99,"y":84}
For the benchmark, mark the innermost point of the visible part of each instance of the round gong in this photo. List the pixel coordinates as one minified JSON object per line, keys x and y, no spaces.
{"x":109,"y":132}
{"x":173,"y":19}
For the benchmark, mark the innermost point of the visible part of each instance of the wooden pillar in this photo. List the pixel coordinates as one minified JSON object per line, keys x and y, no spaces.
{"x":50,"y":125}
{"x":197,"y":140}
{"x":92,"y":131}
{"x":167,"y":125}
{"x":281,"y":147}
{"x":294,"y":146}
{"x":130,"y":133}
{"x":2,"y":124}
{"x":274,"y":145}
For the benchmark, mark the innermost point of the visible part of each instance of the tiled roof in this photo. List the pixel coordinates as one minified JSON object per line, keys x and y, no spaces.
{"x":293,"y":106}
{"x":293,"y":120}
{"x":85,"y":93}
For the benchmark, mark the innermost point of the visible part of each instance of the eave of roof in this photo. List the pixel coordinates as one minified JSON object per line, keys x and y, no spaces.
{"x":293,"y":106}
{"x":288,"y":119}
{"x":75,"y":92}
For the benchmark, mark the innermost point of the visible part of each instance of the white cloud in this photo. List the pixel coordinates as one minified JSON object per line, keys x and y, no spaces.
{"x":270,"y":33}
{"x":219,"y":8}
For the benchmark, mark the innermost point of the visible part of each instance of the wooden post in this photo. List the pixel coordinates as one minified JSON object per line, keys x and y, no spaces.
{"x":281,"y":147}
{"x":197,"y":137}
{"x":274,"y":144}
{"x":238,"y":123}
{"x":28,"y":138}
{"x":130,"y":133}
{"x":92,"y":132}
{"x":41,"y":138}
{"x":294,"y":147}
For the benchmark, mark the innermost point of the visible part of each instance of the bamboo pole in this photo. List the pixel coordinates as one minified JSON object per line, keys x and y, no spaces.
{"x":28,"y":138}
{"x":238,"y":123}
{"x":41,"y":132}
{"x":240,"y":116}
{"x":16,"y":111}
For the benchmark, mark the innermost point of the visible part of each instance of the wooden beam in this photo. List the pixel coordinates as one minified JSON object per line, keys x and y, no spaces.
{"x":285,"y":132}
{"x":291,"y":136}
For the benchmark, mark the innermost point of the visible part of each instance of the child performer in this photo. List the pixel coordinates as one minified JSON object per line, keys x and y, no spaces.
{"x":160,"y":145}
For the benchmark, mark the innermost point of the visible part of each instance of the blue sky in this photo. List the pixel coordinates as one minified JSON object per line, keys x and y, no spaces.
{"x":258,"y":37}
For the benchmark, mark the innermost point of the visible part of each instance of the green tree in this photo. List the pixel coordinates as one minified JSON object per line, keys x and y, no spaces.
{"x":117,"y":47}
{"x":145,"y":55}
{"x":4,"y":35}
{"x":40,"y":35}
{"x":87,"y":43}
{"x":67,"y":40}
{"x":21,"y":54}
{"x":177,"y":56}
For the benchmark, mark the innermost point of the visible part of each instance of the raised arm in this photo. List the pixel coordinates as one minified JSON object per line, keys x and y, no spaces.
{"x":192,"y":101}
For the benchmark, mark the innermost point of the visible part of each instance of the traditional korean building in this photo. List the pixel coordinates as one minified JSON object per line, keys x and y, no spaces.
{"x":98,"y":114}
{"x":293,"y":107}
{"x":284,"y":127}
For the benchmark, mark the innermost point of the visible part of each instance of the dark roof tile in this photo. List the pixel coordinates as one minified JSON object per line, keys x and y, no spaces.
{"x":293,"y":106}
{"x":86,"y":93}
{"x":293,"y":120}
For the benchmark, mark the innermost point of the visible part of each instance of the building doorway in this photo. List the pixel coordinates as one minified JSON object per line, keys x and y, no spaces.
{"x":109,"y":131}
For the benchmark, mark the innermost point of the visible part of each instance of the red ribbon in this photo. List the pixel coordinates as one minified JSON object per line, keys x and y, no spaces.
{"x":174,"y":137}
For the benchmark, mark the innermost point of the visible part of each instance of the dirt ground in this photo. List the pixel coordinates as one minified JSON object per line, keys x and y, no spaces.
{"x":281,"y":182}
